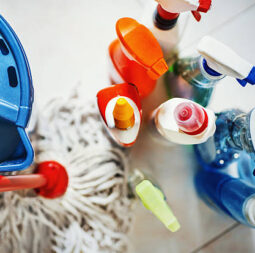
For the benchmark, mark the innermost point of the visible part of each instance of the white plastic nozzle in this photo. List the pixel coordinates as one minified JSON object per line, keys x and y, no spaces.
{"x":224,"y":60}
{"x":178,"y":6}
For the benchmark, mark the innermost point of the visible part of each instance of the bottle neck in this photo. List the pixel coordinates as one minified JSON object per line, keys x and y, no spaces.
{"x":164,"y":20}
{"x":193,"y":71}
{"x":240,"y":133}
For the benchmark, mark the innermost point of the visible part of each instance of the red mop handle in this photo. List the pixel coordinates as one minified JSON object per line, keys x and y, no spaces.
{"x":19,"y":182}
{"x":50,"y":180}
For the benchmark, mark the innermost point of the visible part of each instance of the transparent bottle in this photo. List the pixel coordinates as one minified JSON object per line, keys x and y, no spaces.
{"x":187,"y":78}
{"x":234,"y":134}
{"x":227,"y":194}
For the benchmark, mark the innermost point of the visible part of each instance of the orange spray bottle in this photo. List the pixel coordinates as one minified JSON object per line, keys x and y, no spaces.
{"x":136,"y":56}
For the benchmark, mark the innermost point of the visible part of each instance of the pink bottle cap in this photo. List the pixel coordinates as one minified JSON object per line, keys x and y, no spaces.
{"x":191,"y":118}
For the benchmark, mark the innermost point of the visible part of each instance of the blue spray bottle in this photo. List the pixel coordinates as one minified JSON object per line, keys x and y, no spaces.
{"x":230,"y":195}
{"x":235,"y":133}
{"x":16,"y":99}
{"x":194,"y":78}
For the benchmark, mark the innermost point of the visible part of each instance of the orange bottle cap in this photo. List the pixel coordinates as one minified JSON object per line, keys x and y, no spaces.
{"x":123,"y":114}
{"x":141,"y":44}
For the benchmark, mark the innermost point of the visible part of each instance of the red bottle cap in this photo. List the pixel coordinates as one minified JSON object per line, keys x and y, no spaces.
{"x":191,"y":118}
{"x":57,"y":179}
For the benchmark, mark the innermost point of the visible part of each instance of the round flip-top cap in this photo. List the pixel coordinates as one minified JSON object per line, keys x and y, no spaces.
{"x":139,"y":42}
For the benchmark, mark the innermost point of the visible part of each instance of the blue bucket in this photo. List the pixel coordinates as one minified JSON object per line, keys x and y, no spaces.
{"x":16,"y":100}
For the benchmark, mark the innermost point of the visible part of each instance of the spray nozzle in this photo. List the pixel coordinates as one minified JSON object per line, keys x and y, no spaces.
{"x":123,"y":114}
{"x":190,"y":118}
{"x":219,"y":59}
{"x":178,"y":6}
{"x":153,"y":199}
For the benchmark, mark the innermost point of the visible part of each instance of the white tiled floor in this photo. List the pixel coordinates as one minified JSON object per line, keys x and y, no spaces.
{"x":66,"y":43}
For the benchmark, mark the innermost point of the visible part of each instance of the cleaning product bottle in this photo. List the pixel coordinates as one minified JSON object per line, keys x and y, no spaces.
{"x":164,"y":23}
{"x":49,"y":181}
{"x":16,"y":101}
{"x":235,"y":132}
{"x":183,"y":121}
{"x":233,"y":196}
{"x":153,"y":199}
{"x":246,"y":166}
{"x":136,"y":57}
{"x":120,"y":108}
{"x":195,"y":77}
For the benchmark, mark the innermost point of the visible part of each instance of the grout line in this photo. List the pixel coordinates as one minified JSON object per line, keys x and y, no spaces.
{"x":222,"y":24}
{"x":214,"y":239}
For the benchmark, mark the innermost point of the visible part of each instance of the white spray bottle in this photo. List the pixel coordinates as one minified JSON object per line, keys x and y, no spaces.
{"x":164,"y":22}
{"x":195,"y":77}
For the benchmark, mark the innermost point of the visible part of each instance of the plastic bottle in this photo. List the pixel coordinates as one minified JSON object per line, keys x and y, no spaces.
{"x":235,"y":133}
{"x":195,"y":77}
{"x":162,"y":20}
{"x":232,"y":196}
{"x":136,"y":57}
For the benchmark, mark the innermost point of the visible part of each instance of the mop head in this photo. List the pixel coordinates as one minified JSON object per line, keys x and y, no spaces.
{"x":94,"y":215}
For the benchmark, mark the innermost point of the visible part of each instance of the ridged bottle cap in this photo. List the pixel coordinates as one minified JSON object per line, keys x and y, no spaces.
{"x":123,"y":114}
{"x":191,"y":118}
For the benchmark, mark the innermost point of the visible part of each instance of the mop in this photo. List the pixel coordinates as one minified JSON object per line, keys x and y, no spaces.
{"x":94,"y":214}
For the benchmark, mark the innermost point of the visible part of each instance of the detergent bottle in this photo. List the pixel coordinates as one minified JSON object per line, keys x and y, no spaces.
{"x":136,"y":57}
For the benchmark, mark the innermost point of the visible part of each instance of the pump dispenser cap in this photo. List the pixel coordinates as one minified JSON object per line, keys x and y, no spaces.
{"x":153,"y":200}
{"x":220,"y":59}
{"x":139,"y":43}
{"x":123,"y":114}
{"x":190,"y":118}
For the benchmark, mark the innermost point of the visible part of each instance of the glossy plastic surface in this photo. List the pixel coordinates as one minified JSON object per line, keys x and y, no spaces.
{"x":190,"y":117}
{"x":16,"y":99}
{"x":130,"y":71}
{"x":225,"y":193}
{"x":56,"y":177}
{"x":20,"y":182}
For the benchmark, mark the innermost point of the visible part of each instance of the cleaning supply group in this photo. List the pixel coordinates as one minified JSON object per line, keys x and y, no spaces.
{"x":224,"y":143}
{"x":138,"y":58}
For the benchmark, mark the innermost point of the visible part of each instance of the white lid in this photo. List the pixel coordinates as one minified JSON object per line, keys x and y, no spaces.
{"x":223,"y":59}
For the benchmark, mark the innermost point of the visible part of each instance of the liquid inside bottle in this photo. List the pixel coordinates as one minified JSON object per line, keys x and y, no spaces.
{"x":230,"y":139}
{"x":186,"y":78}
